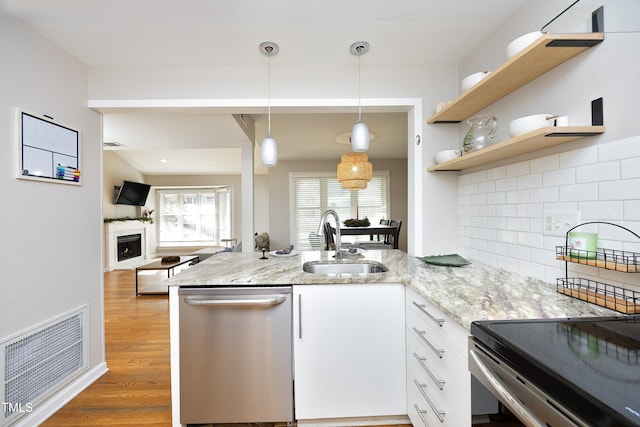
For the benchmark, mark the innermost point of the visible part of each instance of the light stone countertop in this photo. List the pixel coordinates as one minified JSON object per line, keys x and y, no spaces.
{"x":472,"y":292}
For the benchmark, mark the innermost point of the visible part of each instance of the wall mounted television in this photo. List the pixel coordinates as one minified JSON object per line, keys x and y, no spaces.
{"x":131,"y":193}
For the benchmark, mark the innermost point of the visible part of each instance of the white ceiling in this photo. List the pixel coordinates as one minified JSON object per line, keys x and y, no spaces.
{"x":122,"y":33}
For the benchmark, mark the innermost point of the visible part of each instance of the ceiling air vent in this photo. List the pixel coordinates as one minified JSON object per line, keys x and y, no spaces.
{"x":112,"y":144}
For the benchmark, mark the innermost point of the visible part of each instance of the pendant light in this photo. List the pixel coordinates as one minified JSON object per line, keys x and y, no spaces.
{"x":360,"y":131}
{"x":354,"y":171}
{"x":269,"y":147}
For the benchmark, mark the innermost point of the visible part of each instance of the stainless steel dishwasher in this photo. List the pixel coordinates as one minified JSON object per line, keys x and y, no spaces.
{"x":235,"y":355}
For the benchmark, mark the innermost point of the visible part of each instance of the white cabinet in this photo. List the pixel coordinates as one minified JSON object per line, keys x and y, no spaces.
{"x":349,"y":350}
{"x":438,"y":380}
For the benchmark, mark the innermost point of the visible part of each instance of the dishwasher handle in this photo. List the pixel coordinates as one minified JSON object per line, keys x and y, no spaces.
{"x":264,"y":301}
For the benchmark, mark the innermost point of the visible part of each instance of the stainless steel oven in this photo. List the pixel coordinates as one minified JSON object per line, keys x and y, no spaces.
{"x":236,"y":355}
{"x":561,"y":372}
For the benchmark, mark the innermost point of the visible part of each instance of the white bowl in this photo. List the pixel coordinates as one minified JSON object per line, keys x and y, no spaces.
{"x":527,"y":124}
{"x":472,"y":80}
{"x":446,"y":155}
{"x":522,"y":42}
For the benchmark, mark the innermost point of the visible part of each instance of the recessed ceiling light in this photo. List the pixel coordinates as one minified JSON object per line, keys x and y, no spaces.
{"x":164,"y":161}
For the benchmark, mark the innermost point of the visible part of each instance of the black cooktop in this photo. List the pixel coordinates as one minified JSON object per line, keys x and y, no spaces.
{"x":590,"y":365}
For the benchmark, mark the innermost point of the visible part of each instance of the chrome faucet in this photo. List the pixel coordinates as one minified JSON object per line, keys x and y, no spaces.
{"x":323,"y":219}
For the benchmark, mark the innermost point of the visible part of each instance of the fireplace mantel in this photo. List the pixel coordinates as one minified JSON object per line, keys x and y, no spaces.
{"x":120,"y":228}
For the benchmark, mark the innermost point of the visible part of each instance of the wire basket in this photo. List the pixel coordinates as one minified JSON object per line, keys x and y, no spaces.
{"x":610,"y":296}
{"x":610,"y":259}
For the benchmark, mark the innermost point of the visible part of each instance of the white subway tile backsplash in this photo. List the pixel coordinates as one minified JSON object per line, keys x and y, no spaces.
{"x":478,"y":177}
{"x":500,"y":210}
{"x":487,"y":210}
{"x":559,"y":177}
{"x":497,"y":173}
{"x":517,"y":169}
{"x":479,"y":221}
{"x":533,"y":180}
{"x":470,"y":189}
{"x":546,"y":163}
{"x":535,"y":225}
{"x":464,"y":179}
{"x":518,"y":196}
{"x":506,"y":184}
{"x":630,"y":168}
{"x":601,"y":211}
{"x":497,"y":198}
{"x":579,"y":192}
{"x":579,"y":157}
{"x":519,"y":252}
{"x":620,"y":190}
{"x":506,"y":236}
{"x":621,"y":149}
{"x":632,"y":211}
{"x":546,"y":194}
{"x":532,"y":240}
{"x":599,"y":172}
{"x":497,"y":248}
{"x":507,"y":263}
{"x":507,"y":210}
{"x":497,"y":223}
{"x":518,"y":224}
{"x":530,"y":210}
{"x":487,"y":187}
{"x":531,"y":269}
{"x":479,"y":199}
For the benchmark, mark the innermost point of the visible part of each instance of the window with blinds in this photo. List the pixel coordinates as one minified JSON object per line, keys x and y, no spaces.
{"x":313,"y":193}
{"x":193,"y":216}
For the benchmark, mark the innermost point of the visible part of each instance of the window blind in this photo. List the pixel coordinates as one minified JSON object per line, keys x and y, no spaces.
{"x":313,"y":193}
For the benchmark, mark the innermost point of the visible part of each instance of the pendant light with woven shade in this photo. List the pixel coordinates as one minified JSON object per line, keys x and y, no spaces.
{"x":354,"y":171}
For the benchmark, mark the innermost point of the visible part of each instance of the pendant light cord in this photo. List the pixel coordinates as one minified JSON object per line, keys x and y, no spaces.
{"x":269,"y":50}
{"x":359,"y":98}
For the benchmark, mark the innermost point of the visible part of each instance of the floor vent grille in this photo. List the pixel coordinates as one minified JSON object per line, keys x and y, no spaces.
{"x":41,"y":360}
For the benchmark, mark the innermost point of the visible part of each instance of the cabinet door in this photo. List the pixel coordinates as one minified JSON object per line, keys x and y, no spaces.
{"x":349,"y":350}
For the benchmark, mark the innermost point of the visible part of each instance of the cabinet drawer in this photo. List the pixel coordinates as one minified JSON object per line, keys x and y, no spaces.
{"x":424,"y":410}
{"x":438,"y":393}
{"x":437,"y":321}
{"x":451,"y":368}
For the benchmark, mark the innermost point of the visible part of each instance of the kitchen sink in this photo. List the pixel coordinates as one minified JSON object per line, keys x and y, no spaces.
{"x":347,"y":267}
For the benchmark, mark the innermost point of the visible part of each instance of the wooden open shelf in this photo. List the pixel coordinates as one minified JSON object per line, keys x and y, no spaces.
{"x":532,"y":141}
{"x":549,"y":51}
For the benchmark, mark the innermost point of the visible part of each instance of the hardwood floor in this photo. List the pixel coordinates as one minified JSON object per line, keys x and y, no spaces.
{"x":136,"y":390}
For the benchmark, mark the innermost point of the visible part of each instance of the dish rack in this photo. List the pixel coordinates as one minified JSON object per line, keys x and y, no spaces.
{"x":605,"y":295}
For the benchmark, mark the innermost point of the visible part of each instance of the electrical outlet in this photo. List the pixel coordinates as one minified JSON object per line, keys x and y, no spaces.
{"x":557,"y":223}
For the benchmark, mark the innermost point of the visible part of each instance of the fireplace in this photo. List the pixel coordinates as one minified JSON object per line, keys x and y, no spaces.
{"x":129,"y":246}
{"x":120,"y":236}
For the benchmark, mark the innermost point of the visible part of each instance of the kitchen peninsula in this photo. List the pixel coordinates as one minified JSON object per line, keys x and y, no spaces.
{"x":458,"y":294}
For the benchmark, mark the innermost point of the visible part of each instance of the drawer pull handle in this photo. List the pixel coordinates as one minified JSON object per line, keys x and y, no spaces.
{"x":422,"y":387}
{"x":421,"y":413}
{"x":422,"y":308}
{"x":438,"y":351}
{"x":437,"y":382}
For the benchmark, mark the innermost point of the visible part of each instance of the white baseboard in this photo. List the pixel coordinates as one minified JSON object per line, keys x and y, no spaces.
{"x":46,"y":409}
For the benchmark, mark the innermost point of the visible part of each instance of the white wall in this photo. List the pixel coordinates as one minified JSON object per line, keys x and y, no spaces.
{"x":51,"y":233}
{"x":500,"y":206}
